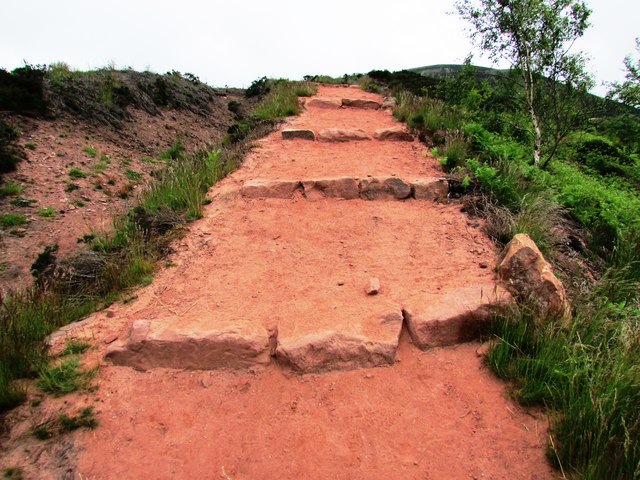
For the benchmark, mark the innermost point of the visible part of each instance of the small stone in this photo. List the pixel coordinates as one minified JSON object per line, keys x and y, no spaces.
{"x":374,"y":286}
{"x":483,"y":350}
{"x":340,"y":283}
{"x":110,"y":314}
{"x":110,"y":339}
{"x":483,"y":265}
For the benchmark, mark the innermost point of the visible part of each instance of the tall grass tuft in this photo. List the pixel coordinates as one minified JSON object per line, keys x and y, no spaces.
{"x":282,"y":99}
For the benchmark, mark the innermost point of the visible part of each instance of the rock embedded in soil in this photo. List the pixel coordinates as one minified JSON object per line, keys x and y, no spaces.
{"x":361,"y":103}
{"x":436,"y":189}
{"x":373,"y":287}
{"x":342,"y":135}
{"x":384,"y":188}
{"x":455,"y":316}
{"x":320,"y":102}
{"x":389,"y":102}
{"x":269,"y":188}
{"x":529,"y":277}
{"x":341,"y":348}
{"x":394,"y":134}
{"x":346,"y":188}
{"x":303,"y":134}
{"x":172,"y":343}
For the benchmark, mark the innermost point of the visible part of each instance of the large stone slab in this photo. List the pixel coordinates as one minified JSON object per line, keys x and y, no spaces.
{"x":436,"y":189}
{"x":293,"y":134}
{"x":342,"y":135}
{"x":394,"y":134}
{"x":172,"y":343}
{"x":384,"y":188}
{"x":361,"y":103}
{"x":346,"y":188}
{"x":269,"y":188}
{"x":530,"y":278}
{"x":321,"y":102}
{"x":458,"y":315}
{"x":341,"y":347}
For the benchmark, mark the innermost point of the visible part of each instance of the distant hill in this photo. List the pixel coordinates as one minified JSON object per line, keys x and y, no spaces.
{"x":451,"y":70}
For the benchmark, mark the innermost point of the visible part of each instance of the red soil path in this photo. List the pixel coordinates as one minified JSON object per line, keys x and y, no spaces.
{"x":292,"y":273}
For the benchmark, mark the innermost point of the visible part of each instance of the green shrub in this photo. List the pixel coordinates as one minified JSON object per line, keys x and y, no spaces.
{"x":76,"y":173}
{"x":132,"y":174}
{"x":12,"y":220}
{"x":9,"y":150}
{"x":22,"y":202}
{"x":90,"y":151}
{"x":11,"y":188}
{"x":47,"y":212}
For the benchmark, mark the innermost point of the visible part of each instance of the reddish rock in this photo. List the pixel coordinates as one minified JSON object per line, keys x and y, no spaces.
{"x":384,"y":188}
{"x":342,"y":135}
{"x":292,"y":134}
{"x":320,"y":102}
{"x":346,"y":188}
{"x":389,"y":102}
{"x":454,"y":316}
{"x":436,"y":189}
{"x":341,"y":348}
{"x":529,"y":277}
{"x":173,"y":343}
{"x":394,"y":134}
{"x":269,"y":188}
{"x":361,"y":103}
{"x":373,"y":287}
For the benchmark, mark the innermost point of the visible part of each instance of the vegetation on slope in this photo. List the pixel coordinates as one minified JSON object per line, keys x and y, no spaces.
{"x":585,"y":205}
{"x":67,"y":289}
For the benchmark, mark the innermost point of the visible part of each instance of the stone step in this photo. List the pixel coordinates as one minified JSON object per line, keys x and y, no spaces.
{"x":295,"y":287}
{"x":336,"y":135}
{"x":336,"y":103}
{"x":349,"y":188}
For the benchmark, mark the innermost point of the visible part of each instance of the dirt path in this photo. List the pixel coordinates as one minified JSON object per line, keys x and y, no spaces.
{"x":267,"y":302}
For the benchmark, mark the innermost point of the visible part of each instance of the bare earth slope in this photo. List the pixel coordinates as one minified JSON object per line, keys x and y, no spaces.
{"x":259,"y":354}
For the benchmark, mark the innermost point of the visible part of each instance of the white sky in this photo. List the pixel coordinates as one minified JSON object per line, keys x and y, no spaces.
{"x":234,"y":42}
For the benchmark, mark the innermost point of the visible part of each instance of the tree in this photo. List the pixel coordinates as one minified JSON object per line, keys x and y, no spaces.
{"x":535,"y":36}
{"x":628,"y":92}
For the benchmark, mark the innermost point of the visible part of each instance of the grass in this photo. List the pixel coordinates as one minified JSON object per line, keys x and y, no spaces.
{"x":47,"y":212}
{"x":22,"y":202}
{"x":85,"y":418}
{"x":76,"y":173}
{"x":30,"y":146}
{"x":132,"y":174}
{"x":63,"y":378}
{"x":282,"y":99}
{"x":90,"y":151}
{"x":11,"y":188}
{"x":12,"y":220}
{"x":73,"y":346}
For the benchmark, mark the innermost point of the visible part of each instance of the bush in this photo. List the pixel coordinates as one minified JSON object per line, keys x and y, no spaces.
{"x":258,"y":88}
{"x":22,"y":91}
{"x":10,"y":153}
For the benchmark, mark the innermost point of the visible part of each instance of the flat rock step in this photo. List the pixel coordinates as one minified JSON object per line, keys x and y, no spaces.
{"x":336,"y":103}
{"x":397,"y":134}
{"x":370,"y":188}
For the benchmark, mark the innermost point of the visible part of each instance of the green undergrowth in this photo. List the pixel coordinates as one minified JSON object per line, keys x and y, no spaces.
{"x":585,"y":205}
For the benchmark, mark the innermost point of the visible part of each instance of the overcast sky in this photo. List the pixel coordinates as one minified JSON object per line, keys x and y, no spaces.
{"x":234,"y":42}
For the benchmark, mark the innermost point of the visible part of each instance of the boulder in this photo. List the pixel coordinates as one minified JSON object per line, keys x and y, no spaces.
{"x":361,"y":103}
{"x":384,"y":188}
{"x":291,"y":134}
{"x":436,"y":189}
{"x":396,"y":134}
{"x":346,"y":188}
{"x":529,"y":277}
{"x":269,"y":188}
{"x":321,"y":102}
{"x":342,"y":135}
